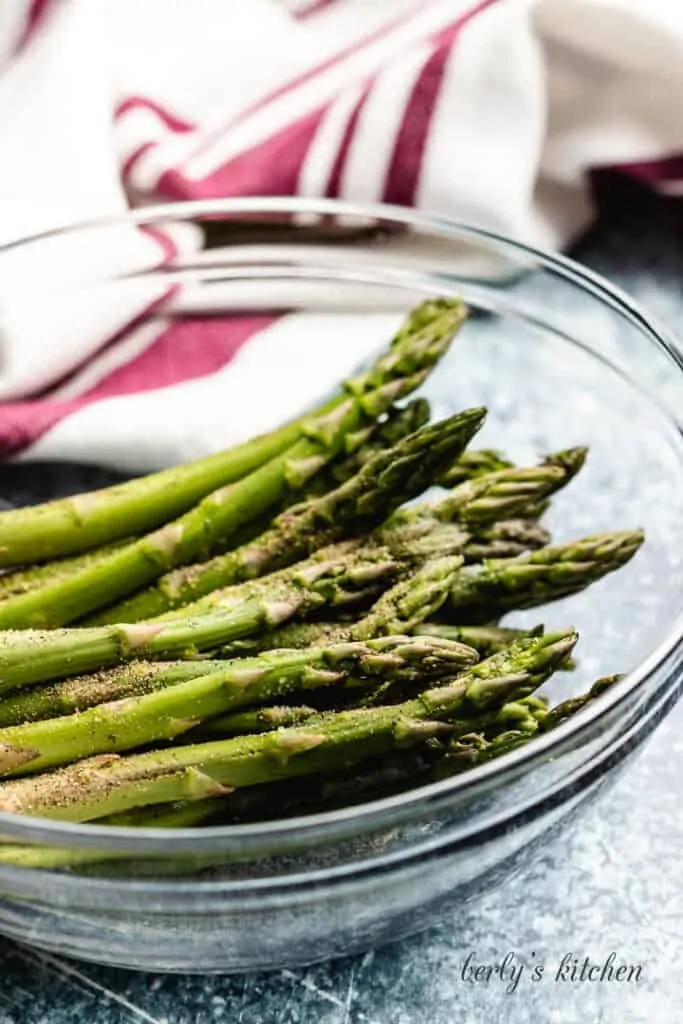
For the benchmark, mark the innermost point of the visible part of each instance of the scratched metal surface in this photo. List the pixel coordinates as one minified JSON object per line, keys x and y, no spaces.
{"x":613,"y":885}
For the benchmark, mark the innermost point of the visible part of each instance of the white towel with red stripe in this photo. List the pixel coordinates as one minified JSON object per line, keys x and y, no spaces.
{"x":495,"y":113}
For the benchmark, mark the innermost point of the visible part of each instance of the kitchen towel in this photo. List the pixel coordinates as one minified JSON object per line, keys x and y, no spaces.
{"x":494,"y":113}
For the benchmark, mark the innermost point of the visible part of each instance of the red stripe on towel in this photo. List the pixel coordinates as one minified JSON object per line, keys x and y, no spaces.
{"x":34,"y":19}
{"x":186,"y":350}
{"x":406,"y":162}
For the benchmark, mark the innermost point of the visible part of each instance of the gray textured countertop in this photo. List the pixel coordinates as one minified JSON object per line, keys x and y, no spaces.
{"x":613,"y":885}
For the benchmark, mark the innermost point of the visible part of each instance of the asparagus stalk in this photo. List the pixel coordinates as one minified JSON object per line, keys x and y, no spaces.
{"x":240,"y":723}
{"x":136,"y":564}
{"x":400,"y":609}
{"x":294,"y":635}
{"x":471,"y":465}
{"x":62,"y":697}
{"x":66,"y":696}
{"x":568,"y":708}
{"x":408,"y":547}
{"x":410,"y":601}
{"x":109,"y":784}
{"x":546,"y":575}
{"x":390,"y":477}
{"x":526,"y":718}
{"x":503,"y":494}
{"x":473,"y":749}
{"x":167,"y":816}
{"x":33,"y":656}
{"x":221,"y":513}
{"x":486,"y":640}
{"x":413,"y":542}
{"x":405,"y":607}
{"x":72,"y":525}
{"x":502,"y":540}
{"x":422,"y":538}
{"x":21,"y":581}
{"x":509,"y":492}
{"x":379,"y":777}
{"x":166,"y":714}
{"x":400,"y":422}
{"x":361,"y":447}
{"x":376,"y":778}
{"x":506,"y":539}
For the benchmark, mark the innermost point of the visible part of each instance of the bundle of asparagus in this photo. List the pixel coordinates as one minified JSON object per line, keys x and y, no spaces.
{"x":225,"y":641}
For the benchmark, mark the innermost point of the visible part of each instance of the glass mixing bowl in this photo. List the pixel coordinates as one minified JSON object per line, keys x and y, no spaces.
{"x":559,"y":357}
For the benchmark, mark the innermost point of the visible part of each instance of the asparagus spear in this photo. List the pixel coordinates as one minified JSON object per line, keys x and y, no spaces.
{"x":545,"y":575}
{"x":474,"y":749}
{"x":32,"y":656}
{"x":408,"y":547}
{"x":425,"y":537}
{"x":526,"y":717}
{"x":400,"y":609}
{"x":66,"y":696}
{"x":506,"y":539}
{"x":390,"y":477}
{"x":486,"y":640}
{"x":414,"y":542}
{"x":136,"y":564}
{"x":404,"y":607}
{"x":376,"y":778}
{"x":76,"y":524}
{"x":240,"y":723}
{"x":170,"y":816}
{"x":500,"y":495}
{"x":69,"y":526}
{"x":471,"y":465}
{"x":108,"y":784}
{"x":400,"y":422}
{"x":165,"y":714}
{"x":221,"y":513}
{"x":379,"y":777}
{"x":21,"y":581}
{"x":294,"y":635}
{"x":358,"y":447}
{"x":361,"y":447}
{"x":509,"y":492}
{"x":568,"y":708}
{"x":410,"y":601}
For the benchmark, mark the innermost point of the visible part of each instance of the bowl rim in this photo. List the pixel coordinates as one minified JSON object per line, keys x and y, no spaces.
{"x":345,"y":821}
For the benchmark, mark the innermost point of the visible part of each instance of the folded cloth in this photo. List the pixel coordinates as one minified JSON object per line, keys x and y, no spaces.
{"x":494,"y":113}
